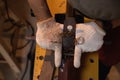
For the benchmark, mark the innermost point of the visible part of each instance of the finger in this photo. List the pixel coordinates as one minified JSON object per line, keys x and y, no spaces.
{"x":77,"y":57}
{"x":58,"y":55}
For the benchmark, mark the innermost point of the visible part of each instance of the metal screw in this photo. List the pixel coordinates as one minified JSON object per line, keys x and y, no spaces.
{"x":69,"y":27}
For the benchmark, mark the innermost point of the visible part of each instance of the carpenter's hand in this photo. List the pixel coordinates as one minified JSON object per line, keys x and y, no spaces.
{"x":89,"y":37}
{"x":48,"y":36}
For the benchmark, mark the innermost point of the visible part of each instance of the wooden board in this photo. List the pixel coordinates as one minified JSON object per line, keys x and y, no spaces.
{"x":40,"y":53}
{"x":57,"y":6}
{"x":90,"y":66}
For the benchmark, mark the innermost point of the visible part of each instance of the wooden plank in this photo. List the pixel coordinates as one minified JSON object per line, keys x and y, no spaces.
{"x":43,"y":64}
{"x":9,"y":60}
{"x":39,"y":54}
{"x":59,"y":6}
{"x":89,"y":67}
{"x":48,"y":67}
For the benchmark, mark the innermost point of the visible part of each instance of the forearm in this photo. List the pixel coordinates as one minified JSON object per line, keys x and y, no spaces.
{"x":40,"y":9}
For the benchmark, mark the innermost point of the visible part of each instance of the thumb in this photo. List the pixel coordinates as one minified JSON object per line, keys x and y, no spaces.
{"x":77,"y":56}
{"x":58,"y":55}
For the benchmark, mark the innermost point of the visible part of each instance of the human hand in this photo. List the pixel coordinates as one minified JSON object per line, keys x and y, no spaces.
{"x":48,"y":36}
{"x":89,"y":37}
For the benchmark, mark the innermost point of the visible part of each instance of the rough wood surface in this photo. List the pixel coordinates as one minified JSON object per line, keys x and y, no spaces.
{"x":48,"y":67}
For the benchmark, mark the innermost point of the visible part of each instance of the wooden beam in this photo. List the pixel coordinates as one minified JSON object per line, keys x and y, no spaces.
{"x":9,"y":60}
{"x":48,"y":66}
